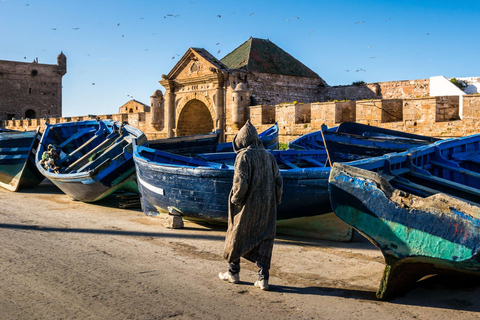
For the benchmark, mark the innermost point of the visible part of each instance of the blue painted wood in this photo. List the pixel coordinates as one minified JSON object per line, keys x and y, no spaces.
{"x":95,"y":157}
{"x":352,"y":141}
{"x":17,"y":160}
{"x":420,"y":207}
{"x":200,"y":189}
{"x":188,"y":145}
{"x":268,"y":137}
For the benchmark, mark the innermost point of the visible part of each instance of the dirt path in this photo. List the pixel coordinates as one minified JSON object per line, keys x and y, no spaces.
{"x":62,"y":259}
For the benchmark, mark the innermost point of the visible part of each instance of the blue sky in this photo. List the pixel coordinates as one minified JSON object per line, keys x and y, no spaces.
{"x":118,"y":50}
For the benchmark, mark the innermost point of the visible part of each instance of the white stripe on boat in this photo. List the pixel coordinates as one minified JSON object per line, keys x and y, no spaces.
{"x":150,"y":187}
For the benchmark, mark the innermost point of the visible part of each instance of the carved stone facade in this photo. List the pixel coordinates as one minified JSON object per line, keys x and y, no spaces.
{"x":205,"y":94}
{"x":31,"y":90}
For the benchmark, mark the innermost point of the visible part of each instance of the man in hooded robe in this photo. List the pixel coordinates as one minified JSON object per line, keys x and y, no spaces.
{"x":252,"y":207}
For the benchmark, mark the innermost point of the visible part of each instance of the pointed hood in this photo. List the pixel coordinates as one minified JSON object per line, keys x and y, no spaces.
{"x":246,"y":137}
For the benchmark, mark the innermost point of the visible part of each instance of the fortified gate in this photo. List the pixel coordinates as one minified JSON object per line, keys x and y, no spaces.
{"x":203,"y":94}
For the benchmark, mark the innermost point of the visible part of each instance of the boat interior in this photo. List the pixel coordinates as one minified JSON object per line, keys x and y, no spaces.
{"x":83,"y":148}
{"x":449,"y":168}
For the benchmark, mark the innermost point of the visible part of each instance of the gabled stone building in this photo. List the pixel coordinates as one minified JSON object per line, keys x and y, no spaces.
{"x":31,"y":90}
{"x":204,"y":93}
{"x":133,"y":106}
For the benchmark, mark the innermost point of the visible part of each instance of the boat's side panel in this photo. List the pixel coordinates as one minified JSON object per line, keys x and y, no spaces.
{"x":16,"y":160}
{"x":188,"y":145}
{"x":346,"y":147}
{"x":203,"y":192}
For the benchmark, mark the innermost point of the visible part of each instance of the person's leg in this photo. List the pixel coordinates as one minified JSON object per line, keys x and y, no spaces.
{"x":232,"y":275}
{"x":263,"y":272}
{"x":263,"y":276}
{"x":234,"y":267}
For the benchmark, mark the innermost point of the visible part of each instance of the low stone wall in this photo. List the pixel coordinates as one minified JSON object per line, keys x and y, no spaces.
{"x":437,"y":117}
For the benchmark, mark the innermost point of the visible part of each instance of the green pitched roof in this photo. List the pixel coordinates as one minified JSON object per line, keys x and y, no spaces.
{"x":259,"y":55}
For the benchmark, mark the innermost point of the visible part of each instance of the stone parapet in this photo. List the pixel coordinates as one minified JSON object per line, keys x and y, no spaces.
{"x":437,"y":116}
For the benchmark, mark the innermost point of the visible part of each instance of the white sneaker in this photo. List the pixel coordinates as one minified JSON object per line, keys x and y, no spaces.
{"x":262,"y":284}
{"x":227,"y":276}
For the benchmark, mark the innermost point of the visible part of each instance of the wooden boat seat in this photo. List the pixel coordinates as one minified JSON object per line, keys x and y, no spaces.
{"x":314,"y":162}
{"x":84,"y":159}
{"x":467,"y":156}
{"x":110,"y":153}
{"x":447,"y":183}
{"x":457,"y":170}
{"x":286,"y":162}
{"x":76,"y":136}
{"x":78,"y":153}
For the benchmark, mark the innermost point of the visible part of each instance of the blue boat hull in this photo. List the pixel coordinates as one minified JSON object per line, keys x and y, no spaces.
{"x":96,"y":158}
{"x":188,"y":145}
{"x":201,"y":193}
{"x":268,"y":137}
{"x":425,"y":219}
{"x":17,"y":160}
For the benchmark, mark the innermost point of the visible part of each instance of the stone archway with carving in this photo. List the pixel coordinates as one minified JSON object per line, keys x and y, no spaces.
{"x":185,"y":101}
{"x":195,"y":118}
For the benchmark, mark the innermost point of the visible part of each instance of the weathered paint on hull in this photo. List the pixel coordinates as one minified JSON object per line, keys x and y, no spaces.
{"x":417,"y":236}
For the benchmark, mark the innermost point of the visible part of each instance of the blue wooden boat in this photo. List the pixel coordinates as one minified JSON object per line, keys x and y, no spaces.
{"x":188,"y":145}
{"x":198,"y":189}
{"x":268,"y":137}
{"x":17,"y":159}
{"x":421,"y":208}
{"x":352,"y":141}
{"x":94,"y":157}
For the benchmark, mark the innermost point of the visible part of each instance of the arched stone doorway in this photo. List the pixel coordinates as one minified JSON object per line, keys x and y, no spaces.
{"x":195,"y":118}
{"x":30,"y":114}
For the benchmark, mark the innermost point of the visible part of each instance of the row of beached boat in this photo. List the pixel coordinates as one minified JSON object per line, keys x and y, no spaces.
{"x":416,"y":198}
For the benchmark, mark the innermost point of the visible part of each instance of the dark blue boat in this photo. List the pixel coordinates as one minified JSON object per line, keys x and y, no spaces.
{"x":421,"y":208}
{"x":94,"y":157}
{"x":17,"y":159}
{"x":352,"y":141}
{"x":198,"y":189}
{"x":268,"y":137}
{"x":188,"y":145}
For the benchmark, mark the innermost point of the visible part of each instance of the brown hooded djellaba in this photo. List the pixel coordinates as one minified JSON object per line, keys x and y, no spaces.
{"x":252,"y":208}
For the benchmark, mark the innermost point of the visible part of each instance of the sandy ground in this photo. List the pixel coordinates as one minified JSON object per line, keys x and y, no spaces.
{"x":62,"y":259}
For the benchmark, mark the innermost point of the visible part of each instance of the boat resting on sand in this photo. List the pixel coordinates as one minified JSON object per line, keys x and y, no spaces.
{"x":198,"y":189}
{"x":268,"y":137}
{"x":421,"y":208}
{"x":94,"y":157}
{"x":17,"y":159}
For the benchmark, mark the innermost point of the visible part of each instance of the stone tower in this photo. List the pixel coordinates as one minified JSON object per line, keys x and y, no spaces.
{"x":62,"y":64}
{"x":240,"y":103}
{"x":157,"y":104}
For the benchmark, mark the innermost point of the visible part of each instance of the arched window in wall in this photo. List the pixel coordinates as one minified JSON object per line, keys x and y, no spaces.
{"x":30,"y":114}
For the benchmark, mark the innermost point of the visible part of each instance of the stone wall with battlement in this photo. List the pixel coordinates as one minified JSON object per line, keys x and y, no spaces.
{"x":433,"y":116}
{"x":31,"y":90}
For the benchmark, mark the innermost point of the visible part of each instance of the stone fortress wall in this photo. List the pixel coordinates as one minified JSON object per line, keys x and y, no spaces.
{"x":431,"y":116}
{"x":31,"y":90}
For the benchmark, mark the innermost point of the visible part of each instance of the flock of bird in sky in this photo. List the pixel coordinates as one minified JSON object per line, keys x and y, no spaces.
{"x":170,"y":15}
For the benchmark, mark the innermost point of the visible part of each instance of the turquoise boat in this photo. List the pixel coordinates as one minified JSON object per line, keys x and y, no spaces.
{"x":421,"y":208}
{"x":17,"y":159}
